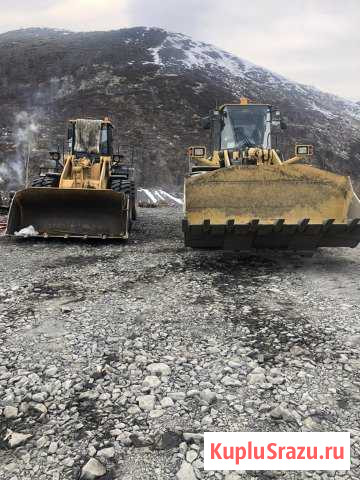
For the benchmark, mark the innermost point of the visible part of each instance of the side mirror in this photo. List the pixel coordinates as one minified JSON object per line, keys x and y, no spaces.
{"x":277,"y":120}
{"x":206,"y":123}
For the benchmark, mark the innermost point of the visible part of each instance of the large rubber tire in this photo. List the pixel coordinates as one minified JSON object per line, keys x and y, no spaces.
{"x":120,"y":185}
{"x":123,"y":186}
{"x":133,"y":201}
{"x":46,"y":182}
{"x":126,"y":186}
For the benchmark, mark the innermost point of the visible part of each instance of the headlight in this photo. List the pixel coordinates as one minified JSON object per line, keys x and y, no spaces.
{"x":55,"y":156}
{"x":302,"y":150}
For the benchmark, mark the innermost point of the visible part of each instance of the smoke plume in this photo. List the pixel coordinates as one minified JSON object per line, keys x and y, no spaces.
{"x":12,"y":171}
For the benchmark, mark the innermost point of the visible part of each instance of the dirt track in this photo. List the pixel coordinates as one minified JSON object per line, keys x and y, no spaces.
{"x":262,"y":342}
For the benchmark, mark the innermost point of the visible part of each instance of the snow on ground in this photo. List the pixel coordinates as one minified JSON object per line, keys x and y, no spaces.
{"x":149,"y":196}
{"x":156,"y":197}
{"x":176,"y":200}
{"x":158,"y":194}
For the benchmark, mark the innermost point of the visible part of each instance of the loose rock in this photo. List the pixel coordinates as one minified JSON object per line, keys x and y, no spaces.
{"x":208,"y":396}
{"x":10,"y":412}
{"x":146,"y":402}
{"x":106,"y":452}
{"x":186,"y":472}
{"x":159,"y":368}
{"x":92,"y":469}
{"x":151,"y":381}
{"x":15,"y":439}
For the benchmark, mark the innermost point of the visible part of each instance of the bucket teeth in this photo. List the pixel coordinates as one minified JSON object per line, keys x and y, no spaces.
{"x":207,"y":226}
{"x":253,"y":225}
{"x":303,"y":235}
{"x":327,"y":224}
{"x":353,"y":223}
{"x":278,"y":225}
{"x":230,"y":225}
{"x":302,"y":225}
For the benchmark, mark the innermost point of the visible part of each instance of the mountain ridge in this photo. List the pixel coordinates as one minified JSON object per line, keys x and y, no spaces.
{"x":43,"y":31}
{"x":156,"y":85}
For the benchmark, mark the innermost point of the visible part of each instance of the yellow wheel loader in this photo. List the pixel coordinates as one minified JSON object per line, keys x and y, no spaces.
{"x":90,"y":195}
{"x":245,"y":196}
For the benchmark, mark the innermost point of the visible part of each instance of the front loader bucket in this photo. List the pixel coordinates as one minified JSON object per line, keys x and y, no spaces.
{"x":75,"y":213}
{"x":296,"y":207}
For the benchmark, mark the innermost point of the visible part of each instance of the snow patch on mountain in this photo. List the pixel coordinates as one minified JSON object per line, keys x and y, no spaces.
{"x":177,"y":48}
{"x":325,"y":112}
{"x":177,"y":52}
{"x":352,"y":109}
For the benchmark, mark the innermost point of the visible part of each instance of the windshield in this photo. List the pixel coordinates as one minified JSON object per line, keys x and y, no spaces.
{"x":245,"y":126}
{"x":87,"y":136}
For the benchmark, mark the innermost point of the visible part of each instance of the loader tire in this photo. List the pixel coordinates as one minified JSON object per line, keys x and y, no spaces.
{"x":133,"y":209}
{"x":123,"y":186}
{"x":45,"y":182}
{"x":133,"y":201}
{"x":120,"y":185}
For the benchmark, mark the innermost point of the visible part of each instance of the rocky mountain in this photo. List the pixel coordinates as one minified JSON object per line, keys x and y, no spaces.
{"x":155,"y":86}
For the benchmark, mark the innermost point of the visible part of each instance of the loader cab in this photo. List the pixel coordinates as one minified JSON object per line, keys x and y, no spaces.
{"x":240,"y":126}
{"x":244,"y":126}
{"x":90,"y":138}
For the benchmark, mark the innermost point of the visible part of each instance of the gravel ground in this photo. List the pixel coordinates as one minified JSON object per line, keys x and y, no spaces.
{"x":115,"y":358}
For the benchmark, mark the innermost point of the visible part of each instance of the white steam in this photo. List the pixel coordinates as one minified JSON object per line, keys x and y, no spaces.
{"x":12,"y":174}
{"x":12,"y":171}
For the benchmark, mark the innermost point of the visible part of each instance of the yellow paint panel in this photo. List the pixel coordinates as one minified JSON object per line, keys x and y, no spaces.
{"x":267,"y":193}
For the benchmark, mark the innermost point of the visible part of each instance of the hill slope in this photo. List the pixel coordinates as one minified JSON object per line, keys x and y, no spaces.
{"x":154,"y":85}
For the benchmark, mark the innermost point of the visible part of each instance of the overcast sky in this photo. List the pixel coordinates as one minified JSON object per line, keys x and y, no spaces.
{"x":316,"y":42}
